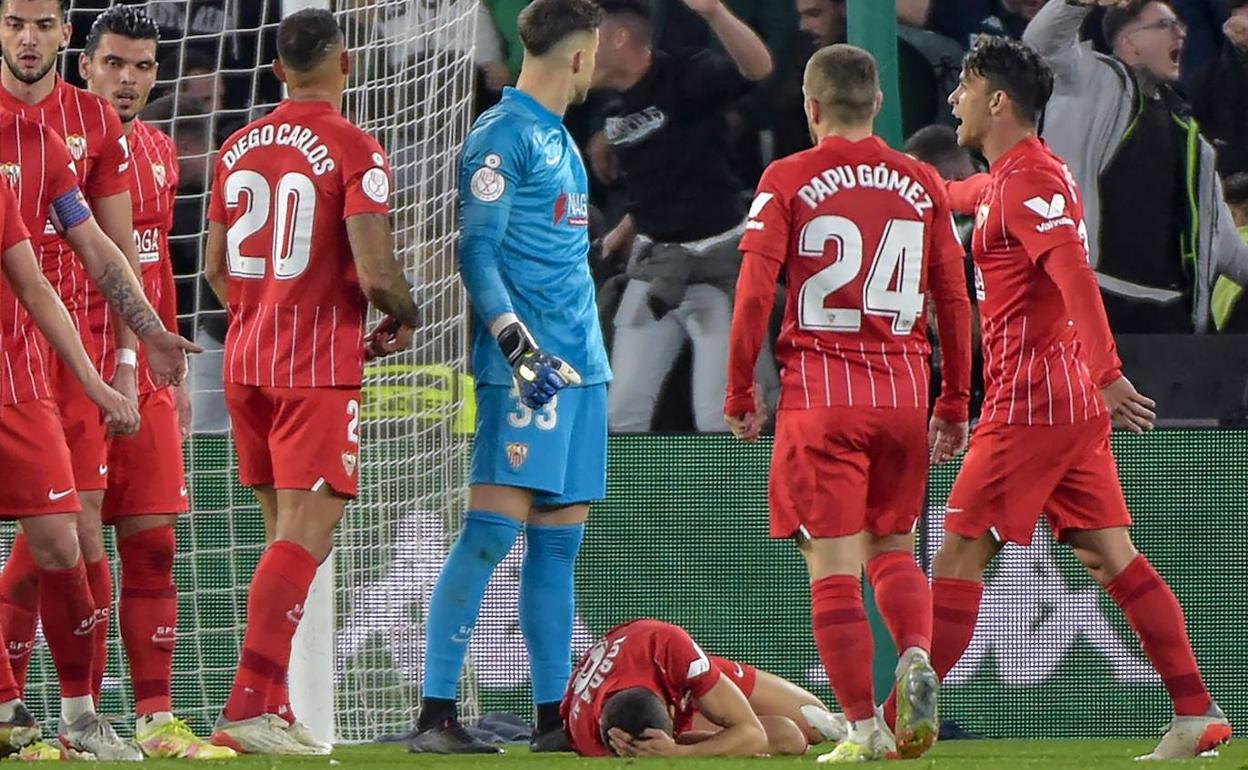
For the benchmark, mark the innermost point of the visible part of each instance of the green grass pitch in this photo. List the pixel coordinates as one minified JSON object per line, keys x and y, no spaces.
{"x":952,"y":755}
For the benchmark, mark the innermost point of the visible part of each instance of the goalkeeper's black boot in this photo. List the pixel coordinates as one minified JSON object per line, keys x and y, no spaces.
{"x":551,"y":740}
{"x":448,"y":737}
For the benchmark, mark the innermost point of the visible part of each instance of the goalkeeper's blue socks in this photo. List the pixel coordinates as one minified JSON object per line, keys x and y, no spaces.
{"x":485,"y":541}
{"x":547,"y":609}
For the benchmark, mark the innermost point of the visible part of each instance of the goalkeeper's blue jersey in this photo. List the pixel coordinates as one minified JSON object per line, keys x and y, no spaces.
{"x":524,"y":205}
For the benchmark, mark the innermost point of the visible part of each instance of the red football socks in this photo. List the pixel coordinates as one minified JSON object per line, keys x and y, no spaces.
{"x":149,"y":615}
{"x":955,"y":609}
{"x":274,"y":607}
{"x":903,"y":598}
{"x":100,"y":580}
{"x":19,"y":607}
{"x":68,"y":623}
{"x":1155,"y":614}
{"x":843,"y":637}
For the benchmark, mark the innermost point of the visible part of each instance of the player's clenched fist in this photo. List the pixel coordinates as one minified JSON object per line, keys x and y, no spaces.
{"x":121,"y":415}
{"x":388,"y":336}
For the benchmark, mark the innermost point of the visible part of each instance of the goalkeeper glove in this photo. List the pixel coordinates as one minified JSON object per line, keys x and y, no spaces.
{"x":539,"y":376}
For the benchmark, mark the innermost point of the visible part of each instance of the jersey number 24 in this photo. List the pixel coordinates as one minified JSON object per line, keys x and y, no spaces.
{"x":892,"y":285}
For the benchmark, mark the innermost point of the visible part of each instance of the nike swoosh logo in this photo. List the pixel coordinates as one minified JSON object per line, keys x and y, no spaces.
{"x":740,"y":672}
{"x":103,"y":470}
{"x":182,"y":491}
{"x":54,"y":495}
{"x":954,"y":510}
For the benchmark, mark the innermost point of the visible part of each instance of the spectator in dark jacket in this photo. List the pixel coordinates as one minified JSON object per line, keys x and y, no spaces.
{"x":1220,"y":94}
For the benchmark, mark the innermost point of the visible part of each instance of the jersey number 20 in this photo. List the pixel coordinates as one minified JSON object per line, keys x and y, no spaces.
{"x":892,"y":286}
{"x":292,"y":211}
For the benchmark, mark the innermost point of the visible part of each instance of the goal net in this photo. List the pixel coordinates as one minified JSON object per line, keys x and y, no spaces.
{"x":411,"y":88}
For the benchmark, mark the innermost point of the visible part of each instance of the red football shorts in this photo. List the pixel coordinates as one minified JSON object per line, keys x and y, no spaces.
{"x":840,"y":470}
{"x":743,"y":675}
{"x":85,"y":431}
{"x":296,"y":438}
{"x":1013,"y":473}
{"x":145,"y":474}
{"x":38,"y":473}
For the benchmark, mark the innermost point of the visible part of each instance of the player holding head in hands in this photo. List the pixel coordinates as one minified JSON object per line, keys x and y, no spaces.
{"x":864,"y":233}
{"x":146,"y":483}
{"x":299,"y":243}
{"x":539,"y":454}
{"x":41,"y":497}
{"x":1043,"y":440}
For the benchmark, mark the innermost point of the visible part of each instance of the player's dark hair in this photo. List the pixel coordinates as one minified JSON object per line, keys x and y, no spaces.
{"x":1235,"y":5}
{"x":634,"y":711}
{"x":544,"y":24}
{"x":1119,"y":16}
{"x":1235,"y":189}
{"x":844,"y":79}
{"x":1010,"y":66}
{"x":125,"y":20}
{"x":306,"y":37}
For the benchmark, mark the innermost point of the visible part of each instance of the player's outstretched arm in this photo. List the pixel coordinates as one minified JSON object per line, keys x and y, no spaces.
{"x":22,"y":271}
{"x":117,"y":281}
{"x":742,"y":43}
{"x":381,"y":277}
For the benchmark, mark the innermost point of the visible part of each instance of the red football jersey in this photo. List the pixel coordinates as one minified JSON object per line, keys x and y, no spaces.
{"x":644,"y":653}
{"x":91,"y":129}
{"x":284,"y":187}
{"x":860,"y":231}
{"x":1034,"y":368}
{"x":36,"y":164}
{"x":12,"y":232}
{"x":153,"y":187}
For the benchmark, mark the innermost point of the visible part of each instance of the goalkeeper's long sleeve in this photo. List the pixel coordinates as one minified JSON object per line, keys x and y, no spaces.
{"x":478,"y":266}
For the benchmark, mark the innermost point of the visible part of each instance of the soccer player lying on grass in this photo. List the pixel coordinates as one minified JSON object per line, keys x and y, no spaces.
{"x":647,"y":689}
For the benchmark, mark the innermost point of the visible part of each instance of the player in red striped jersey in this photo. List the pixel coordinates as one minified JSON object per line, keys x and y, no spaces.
{"x":1054,"y":382}
{"x":146,"y":482}
{"x":299,"y":243}
{"x":40,"y":495}
{"x":31,"y":33}
{"x":863,"y":233}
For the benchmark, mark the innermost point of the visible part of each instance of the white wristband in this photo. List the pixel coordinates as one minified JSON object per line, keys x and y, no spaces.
{"x":127,"y":357}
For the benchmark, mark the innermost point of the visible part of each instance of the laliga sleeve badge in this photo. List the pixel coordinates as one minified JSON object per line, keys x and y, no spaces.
{"x":487,"y":184}
{"x":349,"y":463}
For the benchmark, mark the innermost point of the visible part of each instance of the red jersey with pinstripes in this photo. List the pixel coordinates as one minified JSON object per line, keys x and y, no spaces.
{"x":860,"y":230}
{"x":90,"y":128}
{"x":284,"y":187}
{"x":36,"y":165}
{"x":1034,"y":367}
{"x":153,"y":187}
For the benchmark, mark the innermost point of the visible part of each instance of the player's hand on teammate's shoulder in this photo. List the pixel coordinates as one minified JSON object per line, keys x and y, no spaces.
{"x":166,"y":355}
{"x":121,"y":414}
{"x":946,"y":439}
{"x":1129,"y":409}
{"x":388,"y":336}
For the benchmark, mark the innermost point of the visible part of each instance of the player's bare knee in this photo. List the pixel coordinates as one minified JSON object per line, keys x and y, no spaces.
{"x":882,"y":544}
{"x":962,"y":558}
{"x":784,"y":737}
{"x":53,"y":542}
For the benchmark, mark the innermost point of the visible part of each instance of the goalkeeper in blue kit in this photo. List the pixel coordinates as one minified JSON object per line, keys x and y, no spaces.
{"x":539,"y":456}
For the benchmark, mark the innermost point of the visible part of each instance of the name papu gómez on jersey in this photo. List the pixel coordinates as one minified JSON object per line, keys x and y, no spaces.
{"x":293,"y":135}
{"x":879,"y":176}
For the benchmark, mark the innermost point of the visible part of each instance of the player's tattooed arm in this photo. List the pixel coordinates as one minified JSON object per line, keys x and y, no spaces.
{"x":115,"y":215}
{"x":381,"y":276}
{"x":125,"y":296}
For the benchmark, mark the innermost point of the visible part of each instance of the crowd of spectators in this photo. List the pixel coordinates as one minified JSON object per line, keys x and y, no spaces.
{"x":1150,"y":111}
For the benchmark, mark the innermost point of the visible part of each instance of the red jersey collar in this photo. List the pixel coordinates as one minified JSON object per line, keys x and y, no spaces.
{"x":11,"y":102}
{"x":833,"y":141}
{"x":1032,"y":145}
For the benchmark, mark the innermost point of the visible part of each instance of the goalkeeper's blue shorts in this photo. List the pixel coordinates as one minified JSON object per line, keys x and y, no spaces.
{"x":558,"y":451}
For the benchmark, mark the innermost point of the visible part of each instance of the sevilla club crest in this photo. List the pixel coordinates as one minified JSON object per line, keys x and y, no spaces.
{"x":517,"y":453}
{"x":77,"y":146}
